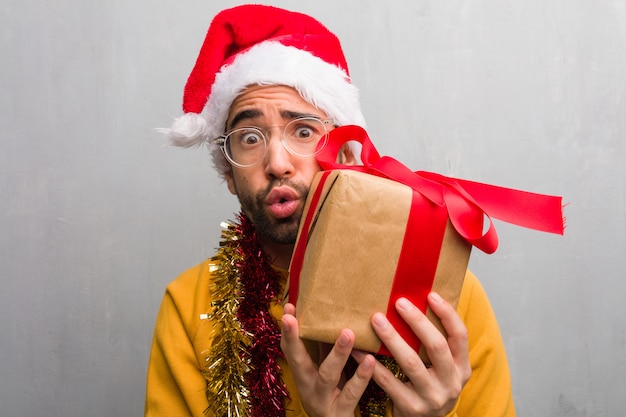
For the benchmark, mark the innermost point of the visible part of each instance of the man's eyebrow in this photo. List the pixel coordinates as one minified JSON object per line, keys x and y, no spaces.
{"x":289,"y":114}
{"x":255,"y":114}
{"x":243,"y":115}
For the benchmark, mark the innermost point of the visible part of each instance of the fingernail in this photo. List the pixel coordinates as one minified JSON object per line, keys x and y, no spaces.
{"x":368,"y":362}
{"x":436,"y":297}
{"x":284,"y":326}
{"x":343,"y":339}
{"x":379,"y":320}
{"x":404,"y":304}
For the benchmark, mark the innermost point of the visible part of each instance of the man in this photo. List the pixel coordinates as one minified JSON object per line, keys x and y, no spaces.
{"x":270,"y":84}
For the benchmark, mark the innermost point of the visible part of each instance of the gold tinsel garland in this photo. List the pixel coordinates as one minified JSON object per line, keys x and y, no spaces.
{"x":241,"y":368}
{"x":228,"y":360}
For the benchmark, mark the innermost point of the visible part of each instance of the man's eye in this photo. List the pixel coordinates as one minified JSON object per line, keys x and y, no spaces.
{"x":304,"y":132}
{"x":250,"y":139}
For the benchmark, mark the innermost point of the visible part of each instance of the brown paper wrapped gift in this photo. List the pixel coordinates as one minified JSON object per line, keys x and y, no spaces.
{"x":350,"y":249}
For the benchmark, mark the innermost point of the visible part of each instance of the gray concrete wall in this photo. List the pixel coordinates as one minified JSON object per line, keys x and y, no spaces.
{"x":96,"y":216}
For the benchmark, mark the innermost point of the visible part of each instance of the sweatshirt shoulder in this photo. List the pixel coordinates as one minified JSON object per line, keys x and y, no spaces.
{"x":473,"y":297}
{"x":191,"y":280}
{"x":190,"y":291}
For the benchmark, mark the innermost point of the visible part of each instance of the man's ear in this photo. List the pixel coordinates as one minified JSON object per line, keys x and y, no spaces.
{"x":346,"y":156}
{"x":230,"y":181}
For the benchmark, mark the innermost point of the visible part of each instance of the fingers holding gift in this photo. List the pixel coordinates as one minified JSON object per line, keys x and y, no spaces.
{"x":350,"y":393}
{"x":430,"y":391}
{"x":404,"y":354}
{"x":329,"y":396}
{"x":319,"y":387}
{"x":457,"y":340}
{"x":293,"y":347}
{"x":330,"y":370}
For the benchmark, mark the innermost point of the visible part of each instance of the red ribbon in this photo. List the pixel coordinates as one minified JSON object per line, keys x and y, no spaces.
{"x":436,"y":198}
{"x":297,"y":259}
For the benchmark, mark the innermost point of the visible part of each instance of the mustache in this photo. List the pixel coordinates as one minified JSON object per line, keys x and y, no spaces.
{"x":301,"y":189}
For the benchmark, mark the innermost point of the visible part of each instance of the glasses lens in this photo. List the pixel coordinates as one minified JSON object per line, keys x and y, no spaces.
{"x":245,"y":147}
{"x":302,"y":135}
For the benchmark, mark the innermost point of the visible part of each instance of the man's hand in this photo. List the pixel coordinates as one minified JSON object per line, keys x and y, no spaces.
{"x":319,"y":386}
{"x":429,"y":391}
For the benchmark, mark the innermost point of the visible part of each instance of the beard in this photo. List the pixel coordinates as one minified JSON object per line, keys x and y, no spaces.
{"x":284,"y":230}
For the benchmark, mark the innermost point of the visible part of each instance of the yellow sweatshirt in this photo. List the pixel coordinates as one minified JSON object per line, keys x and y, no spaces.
{"x":176,"y":387}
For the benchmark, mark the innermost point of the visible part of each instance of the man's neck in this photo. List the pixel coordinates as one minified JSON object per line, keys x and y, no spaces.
{"x":279,"y":254}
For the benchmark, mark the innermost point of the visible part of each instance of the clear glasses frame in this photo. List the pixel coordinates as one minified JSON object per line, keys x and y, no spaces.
{"x":246,"y":146}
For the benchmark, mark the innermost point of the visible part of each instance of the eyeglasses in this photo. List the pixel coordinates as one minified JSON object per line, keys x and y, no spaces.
{"x":246,"y":146}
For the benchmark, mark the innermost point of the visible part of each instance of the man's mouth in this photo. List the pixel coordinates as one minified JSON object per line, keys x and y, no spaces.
{"x":282,"y":202}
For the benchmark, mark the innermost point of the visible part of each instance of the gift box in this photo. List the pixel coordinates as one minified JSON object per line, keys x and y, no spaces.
{"x":376,"y":232}
{"x":358,"y":258}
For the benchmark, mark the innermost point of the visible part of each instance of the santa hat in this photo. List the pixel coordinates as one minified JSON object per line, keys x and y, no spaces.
{"x":262,"y":45}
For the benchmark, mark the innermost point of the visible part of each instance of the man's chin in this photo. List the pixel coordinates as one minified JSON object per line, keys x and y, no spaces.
{"x":282,"y":231}
{"x":285,"y":231}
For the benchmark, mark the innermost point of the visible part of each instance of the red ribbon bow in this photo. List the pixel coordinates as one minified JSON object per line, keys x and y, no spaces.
{"x":468,"y":203}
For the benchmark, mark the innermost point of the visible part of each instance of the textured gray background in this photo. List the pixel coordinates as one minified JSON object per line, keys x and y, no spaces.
{"x":96,"y":216}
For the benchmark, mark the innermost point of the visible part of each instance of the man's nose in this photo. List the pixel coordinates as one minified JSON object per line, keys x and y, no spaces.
{"x":278,"y":160}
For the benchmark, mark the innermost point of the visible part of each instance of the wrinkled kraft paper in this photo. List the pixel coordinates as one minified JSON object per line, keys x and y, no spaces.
{"x":352,"y":253}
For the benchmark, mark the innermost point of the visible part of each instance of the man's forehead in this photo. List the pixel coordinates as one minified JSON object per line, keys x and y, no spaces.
{"x":259,"y":101}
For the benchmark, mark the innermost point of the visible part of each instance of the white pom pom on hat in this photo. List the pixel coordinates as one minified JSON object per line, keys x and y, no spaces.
{"x":263,"y":45}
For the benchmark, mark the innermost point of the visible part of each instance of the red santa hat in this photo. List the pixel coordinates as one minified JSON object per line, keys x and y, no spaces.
{"x":262,"y":45}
